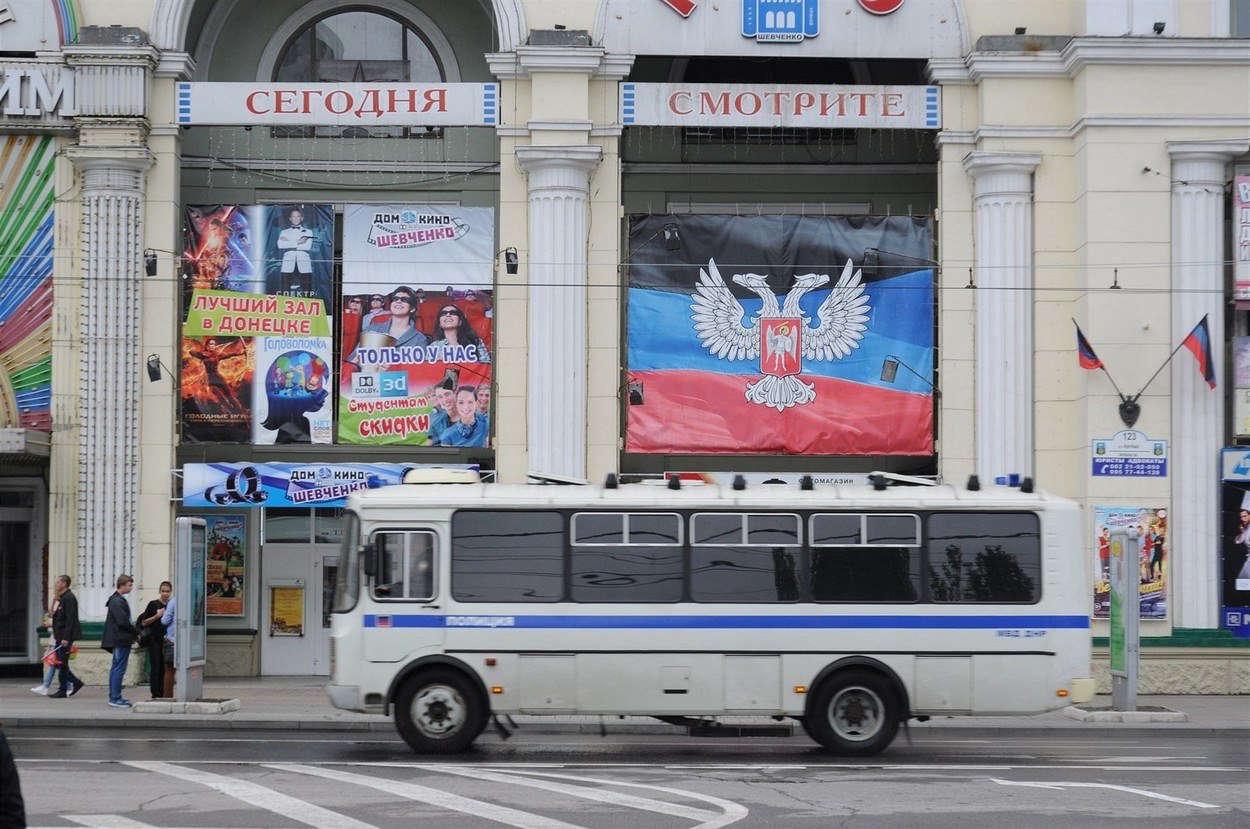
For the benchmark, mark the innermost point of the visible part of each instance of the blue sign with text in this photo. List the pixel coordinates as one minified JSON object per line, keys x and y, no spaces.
{"x":780,"y":21}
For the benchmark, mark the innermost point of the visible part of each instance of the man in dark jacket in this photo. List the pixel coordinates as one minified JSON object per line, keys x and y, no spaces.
{"x":12,"y":809}
{"x":119,"y":634}
{"x":66,"y":631}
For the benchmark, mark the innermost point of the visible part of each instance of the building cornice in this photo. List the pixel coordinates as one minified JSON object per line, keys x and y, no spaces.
{"x":1081,"y":52}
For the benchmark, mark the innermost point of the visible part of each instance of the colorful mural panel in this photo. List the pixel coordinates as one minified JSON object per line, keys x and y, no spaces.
{"x":26,"y":239}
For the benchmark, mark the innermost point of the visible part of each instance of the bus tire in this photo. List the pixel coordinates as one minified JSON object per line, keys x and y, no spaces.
{"x":853,"y":713}
{"x":439,"y":712}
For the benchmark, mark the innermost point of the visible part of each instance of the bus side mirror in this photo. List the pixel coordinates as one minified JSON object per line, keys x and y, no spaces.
{"x":370,"y":558}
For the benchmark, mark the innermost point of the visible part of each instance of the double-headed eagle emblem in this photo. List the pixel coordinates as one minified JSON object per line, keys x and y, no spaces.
{"x":780,"y":335}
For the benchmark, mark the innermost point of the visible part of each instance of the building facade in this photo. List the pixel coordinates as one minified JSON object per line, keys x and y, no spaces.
{"x":258,"y":255}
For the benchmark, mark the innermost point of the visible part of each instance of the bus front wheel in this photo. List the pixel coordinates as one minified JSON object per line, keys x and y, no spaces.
{"x":853,"y":713}
{"x":439,"y":712}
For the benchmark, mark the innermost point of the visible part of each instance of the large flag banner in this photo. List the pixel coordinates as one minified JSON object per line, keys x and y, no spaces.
{"x":1152,"y":559}
{"x":769,"y":335}
{"x":418,"y":311}
{"x":257,"y":334}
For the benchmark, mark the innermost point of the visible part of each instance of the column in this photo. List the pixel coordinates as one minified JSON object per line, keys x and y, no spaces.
{"x":109,"y":369}
{"x":559,"y":186}
{"x":1199,"y":176}
{"x":1003,"y":216}
{"x":113,"y":67}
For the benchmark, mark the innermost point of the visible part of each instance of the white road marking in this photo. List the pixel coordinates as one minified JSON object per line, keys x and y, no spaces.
{"x":628,"y":801}
{"x":434,"y":797}
{"x":111,"y":821}
{"x":732,"y":812}
{"x":256,"y":795}
{"x":1130,"y":759}
{"x":1063,"y":785}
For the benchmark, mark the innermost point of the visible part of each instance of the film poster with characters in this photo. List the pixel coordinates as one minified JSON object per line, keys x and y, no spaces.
{"x":418,"y":312}
{"x":226,"y":566}
{"x":256,"y":274}
{"x":1153,"y":556}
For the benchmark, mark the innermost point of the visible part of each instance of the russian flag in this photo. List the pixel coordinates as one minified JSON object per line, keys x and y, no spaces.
{"x":685,"y":399}
{"x":1199,"y":344}
{"x":1085,"y":352}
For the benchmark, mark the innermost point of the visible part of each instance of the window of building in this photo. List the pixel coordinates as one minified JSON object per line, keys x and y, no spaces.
{"x":507,"y":556}
{"x":1241,"y":18}
{"x":358,"y":47}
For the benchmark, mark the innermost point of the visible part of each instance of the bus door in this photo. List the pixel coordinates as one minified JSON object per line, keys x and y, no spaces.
{"x":406,"y":615}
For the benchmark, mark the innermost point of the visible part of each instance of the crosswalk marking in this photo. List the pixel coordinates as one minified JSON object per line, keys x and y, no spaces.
{"x":1143,"y":792}
{"x":629,"y":801}
{"x":256,"y":795}
{"x":107,"y":822}
{"x":434,"y":797}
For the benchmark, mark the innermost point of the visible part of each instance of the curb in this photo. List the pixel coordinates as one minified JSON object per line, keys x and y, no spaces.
{"x":1145,"y":714}
{"x":190,"y":721}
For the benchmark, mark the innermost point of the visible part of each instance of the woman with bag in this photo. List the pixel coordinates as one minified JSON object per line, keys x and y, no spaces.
{"x":151,"y":635}
{"x":50,"y":664}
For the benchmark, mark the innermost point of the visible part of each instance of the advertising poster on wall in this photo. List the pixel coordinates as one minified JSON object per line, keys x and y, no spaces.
{"x":418,"y":312}
{"x":1235,"y":567}
{"x":254,"y":273}
{"x":286,"y":611}
{"x":227,"y":569}
{"x":247,"y":485}
{"x":216,"y":389}
{"x":1153,"y":556}
{"x":291,"y":392}
{"x":770,"y":335}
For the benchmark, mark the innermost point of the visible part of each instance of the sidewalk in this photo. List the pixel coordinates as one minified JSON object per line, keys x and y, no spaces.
{"x":300,"y":704}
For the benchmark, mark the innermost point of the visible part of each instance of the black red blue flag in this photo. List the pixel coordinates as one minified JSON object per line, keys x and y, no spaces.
{"x":1085,"y":352}
{"x":1199,"y":344}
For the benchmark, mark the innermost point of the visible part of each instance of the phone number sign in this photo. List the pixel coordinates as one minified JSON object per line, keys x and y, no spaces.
{"x":1129,"y":454}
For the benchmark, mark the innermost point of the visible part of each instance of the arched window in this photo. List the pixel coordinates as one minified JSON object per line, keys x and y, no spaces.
{"x":358,"y":47}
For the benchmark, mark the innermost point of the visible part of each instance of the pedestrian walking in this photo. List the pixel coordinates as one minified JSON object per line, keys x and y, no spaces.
{"x":167,"y":647}
{"x":152,"y":638}
{"x":49,"y":673}
{"x":119,"y":634}
{"x":65,"y":631}
{"x":12,"y":809}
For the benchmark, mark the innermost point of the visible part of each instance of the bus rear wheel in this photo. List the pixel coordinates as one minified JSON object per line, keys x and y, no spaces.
{"x":439,"y":712}
{"x":854,"y":713}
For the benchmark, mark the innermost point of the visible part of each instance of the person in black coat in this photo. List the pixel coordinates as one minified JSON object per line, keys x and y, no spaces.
{"x":12,"y":808}
{"x":119,"y":634}
{"x":65,"y":632}
{"x":152,"y":637}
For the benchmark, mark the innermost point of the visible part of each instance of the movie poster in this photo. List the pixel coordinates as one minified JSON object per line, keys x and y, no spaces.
{"x":418,"y":311}
{"x":1153,"y":554}
{"x":226,"y":576}
{"x":1235,"y":560}
{"x":257,"y":273}
{"x":771,"y":335}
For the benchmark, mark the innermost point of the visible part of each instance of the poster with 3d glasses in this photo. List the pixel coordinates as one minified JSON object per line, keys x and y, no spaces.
{"x":418,"y":313}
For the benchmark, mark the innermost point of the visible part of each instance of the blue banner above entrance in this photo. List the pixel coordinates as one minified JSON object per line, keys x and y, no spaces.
{"x":288,"y":484}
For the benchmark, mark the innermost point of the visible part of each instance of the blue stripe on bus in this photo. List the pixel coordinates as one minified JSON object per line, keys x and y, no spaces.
{"x":472,"y":620}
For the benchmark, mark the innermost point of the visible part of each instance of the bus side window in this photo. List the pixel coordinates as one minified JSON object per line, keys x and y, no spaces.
{"x":388,"y":581}
{"x":421,"y":566}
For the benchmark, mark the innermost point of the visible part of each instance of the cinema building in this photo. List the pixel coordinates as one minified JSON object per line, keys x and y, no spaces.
{"x":259,"y":255}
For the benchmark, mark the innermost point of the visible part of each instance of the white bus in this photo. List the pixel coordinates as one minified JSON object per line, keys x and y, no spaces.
{"x":847,"y":608}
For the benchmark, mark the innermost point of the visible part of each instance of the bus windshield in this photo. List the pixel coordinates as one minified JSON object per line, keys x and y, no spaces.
{"x":347,"y":583}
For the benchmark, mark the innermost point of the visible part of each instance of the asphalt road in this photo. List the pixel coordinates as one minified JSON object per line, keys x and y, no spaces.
{"x":964,"y":778}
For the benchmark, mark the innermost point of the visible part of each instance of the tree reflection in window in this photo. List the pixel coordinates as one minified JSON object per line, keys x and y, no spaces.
{"x":984,"y":557}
